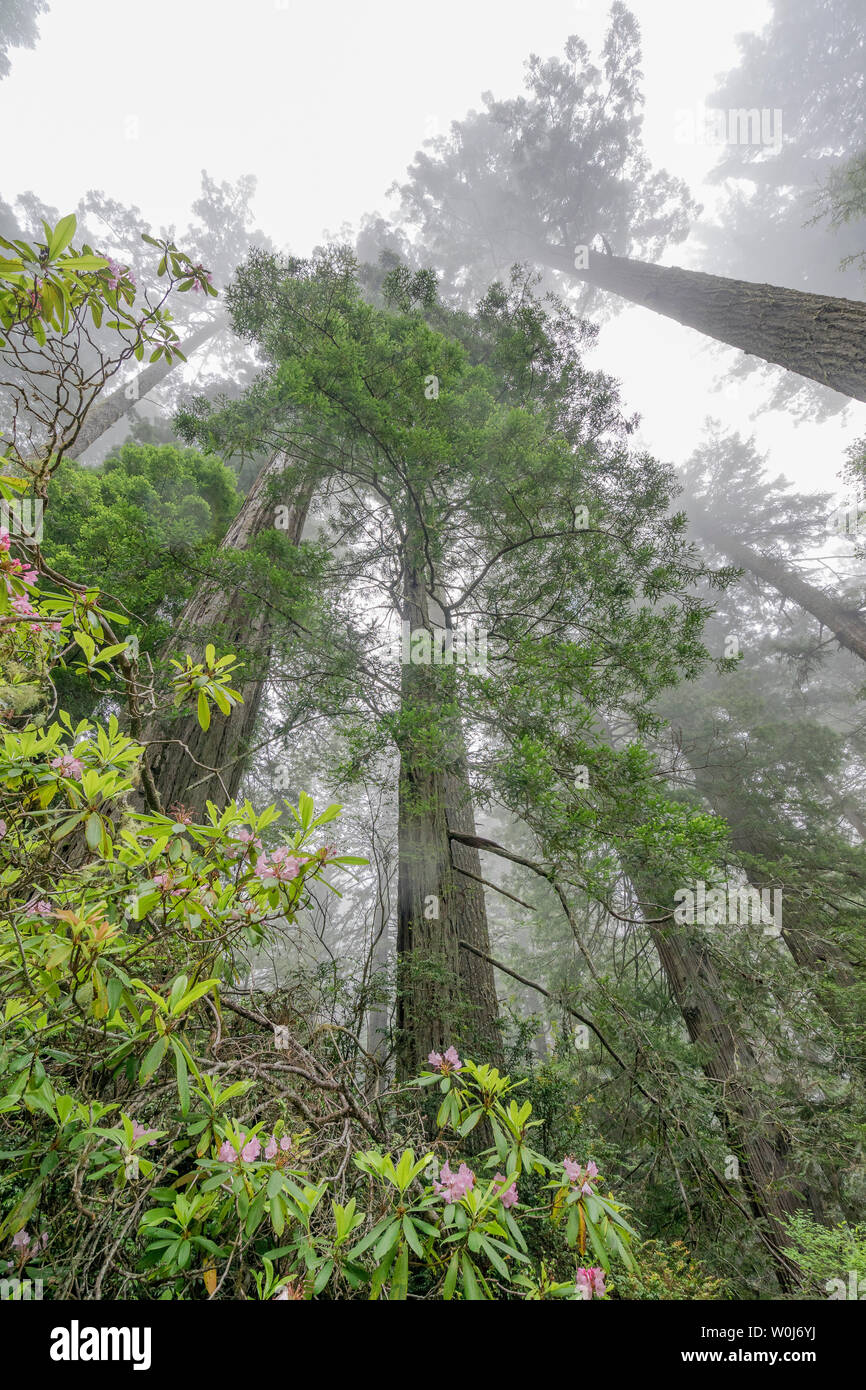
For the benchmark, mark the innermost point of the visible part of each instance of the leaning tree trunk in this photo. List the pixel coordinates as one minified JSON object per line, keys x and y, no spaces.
{"x":847,"y":626}
{"x":815,"y":335}
{"x":106,"y":412}
{"x":443,"y":1000}
{"x":729,"y":1062}
{"x":190,"y":765}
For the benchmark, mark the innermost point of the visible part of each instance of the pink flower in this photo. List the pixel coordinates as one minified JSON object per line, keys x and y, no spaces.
{"x":201,"y":276}
{"x":115,"y":273}
{"x":227,"y":1153}
{"x":590,"y":1282}
{"x":508,"y":1195}
{"x":5,"y":538}
{"x":280,"y":867}
{"x":20,"y":1240}
{"x":248,"y":843}
{"x":453,"y":1186}
{"x":139,"y":1132}
{"x":271,"y":1148}
{"x":578,"y":1177}
{"x":22,"y":606}
{"x":447,"y":1063}
{"x":285,"y":1143}
{"x":68,"y":766}
{"x":39,"y":907}
{"x":251,"y":1150}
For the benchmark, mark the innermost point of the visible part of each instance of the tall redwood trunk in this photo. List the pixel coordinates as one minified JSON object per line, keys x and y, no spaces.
{"x":443,"y":1000}
{"x":191,"y":766}
{"x":815,"y":335}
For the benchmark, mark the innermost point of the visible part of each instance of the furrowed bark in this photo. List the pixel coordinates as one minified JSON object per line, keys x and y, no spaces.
{"x":443,"y":1000}
{"x":190,"y":765}
{"x":817,"y":336}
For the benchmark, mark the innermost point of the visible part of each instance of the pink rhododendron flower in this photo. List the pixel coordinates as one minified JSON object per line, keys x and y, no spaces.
{"x":271,"y":1148}
{"x":452,"y":1186}
{"x":5,"y":538}
{"x":248,"y":843}
{"x":508,"y":1196}
{"x":115,"y":273}
{"x":20,"y":1240}
{"x":445,"y":1063}
{"x":578,"y":1177}
{"x":68,"y":766}
{"x":590,"y":1282}
{"x":227,"y":1153}
{"x":281,"y":866}
{"x":251,"y":1150}
{"x":39,"y":907}
{"x":139,"y":1132}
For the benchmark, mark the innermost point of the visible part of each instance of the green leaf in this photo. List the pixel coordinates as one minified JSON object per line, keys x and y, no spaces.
{"x":470,"y":1283}
{"x":85,"y":263}
{"x":152,"y":1060}
{"x":400,"y":1282}
{"x":182,"y":1077}
{"x":61,"y":236}
{"x":93,"y":830}
{"x":451,"y":1278}
{"x":412,"y":1237}
{"x":203,"y":711}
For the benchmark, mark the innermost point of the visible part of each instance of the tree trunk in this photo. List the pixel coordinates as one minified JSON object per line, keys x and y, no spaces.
{"x":815,"y":335}
{"x":191,"y":766}
{"x":847,"y":626}
{"x":729,"y":1061}
{"x":112,"y":408}
{"x":443,"y":1000}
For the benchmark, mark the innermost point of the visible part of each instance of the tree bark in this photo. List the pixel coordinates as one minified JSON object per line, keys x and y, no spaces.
{"x":815,"y":335}
{"x":191,"y":766}
{"x":445,"y":996}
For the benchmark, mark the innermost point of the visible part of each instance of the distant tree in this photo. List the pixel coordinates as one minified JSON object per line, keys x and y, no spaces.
{"x":18,"y":27}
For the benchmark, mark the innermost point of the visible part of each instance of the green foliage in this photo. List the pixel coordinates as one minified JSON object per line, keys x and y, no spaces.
{"x":827,"y":1253}
{"x":668,"y":1271}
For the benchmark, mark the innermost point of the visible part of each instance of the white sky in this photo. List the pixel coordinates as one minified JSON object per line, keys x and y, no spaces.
{"x":325,"y":101}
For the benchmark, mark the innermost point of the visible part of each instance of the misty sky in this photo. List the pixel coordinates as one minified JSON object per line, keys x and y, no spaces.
{"x":325,"y":103}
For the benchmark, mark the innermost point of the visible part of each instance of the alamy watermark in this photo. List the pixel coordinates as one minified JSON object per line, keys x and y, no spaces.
{"x":444,"y":647}
{"x":733,"y":905}
{"x":849,"y":519}
{"x":22,"y":517}
{"x":711,"y":125}
{"x":16,"y":1289}
{"x":854,"y":1289}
